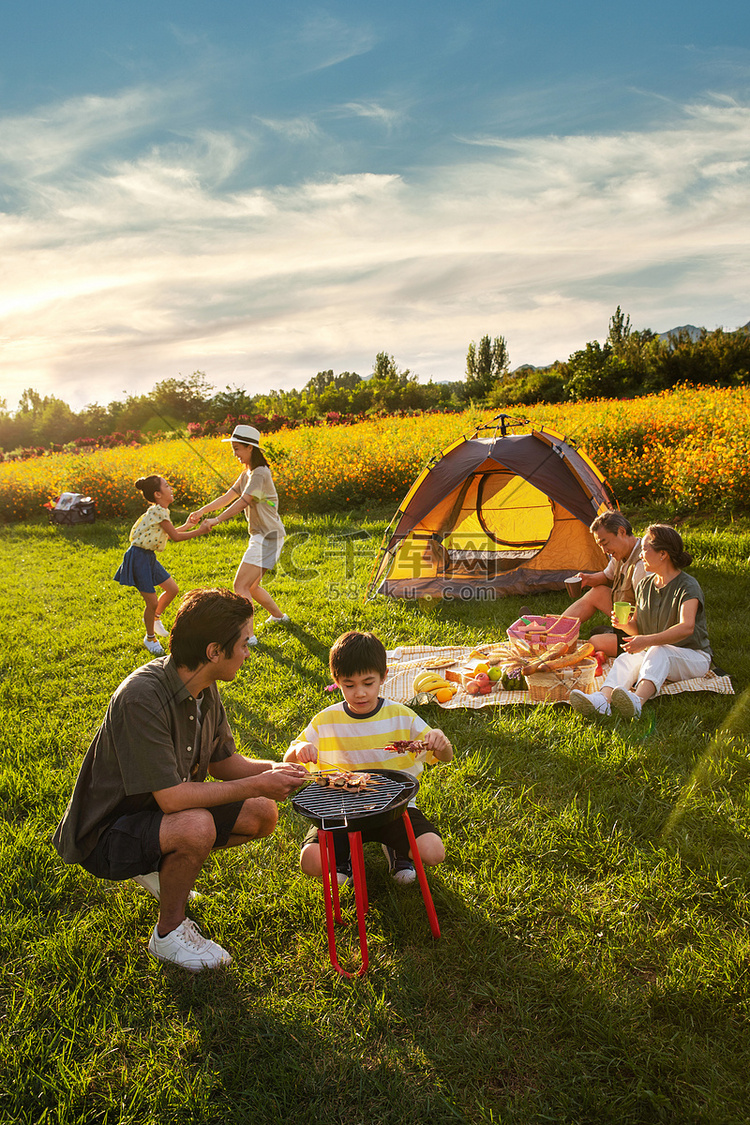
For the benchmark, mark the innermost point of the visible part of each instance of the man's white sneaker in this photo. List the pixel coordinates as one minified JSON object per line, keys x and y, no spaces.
{"x":626,"y":703}
{"x":589,"y":705}
{"x":153,"y":647}
{"x":151,"y":884}
{"x":159,"y":628}
{"x":187,"y":947}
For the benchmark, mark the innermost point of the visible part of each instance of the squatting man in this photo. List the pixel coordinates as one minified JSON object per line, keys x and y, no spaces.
{"x":140,"y":808}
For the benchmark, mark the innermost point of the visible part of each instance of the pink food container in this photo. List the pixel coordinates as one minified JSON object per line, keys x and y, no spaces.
{"x":542,"y":632}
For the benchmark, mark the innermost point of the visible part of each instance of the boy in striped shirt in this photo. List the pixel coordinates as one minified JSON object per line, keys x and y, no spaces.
{"x":352,"y":735}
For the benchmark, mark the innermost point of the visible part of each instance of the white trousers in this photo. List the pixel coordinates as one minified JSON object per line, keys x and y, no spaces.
{"x":657,"y":664}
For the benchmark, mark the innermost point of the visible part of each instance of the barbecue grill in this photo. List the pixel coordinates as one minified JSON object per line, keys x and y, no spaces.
{"x":333,"y":808}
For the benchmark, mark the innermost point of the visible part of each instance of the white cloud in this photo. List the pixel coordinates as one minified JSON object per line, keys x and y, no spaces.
{"x":41,"y":143}
{"x":131,"y":271}
{"x":329,"y":41}
{"x":374,"y":111}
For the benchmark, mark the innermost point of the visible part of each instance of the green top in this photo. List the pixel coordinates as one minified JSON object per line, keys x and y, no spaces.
{"x":659,"y":608}
{"x":146,"y":742}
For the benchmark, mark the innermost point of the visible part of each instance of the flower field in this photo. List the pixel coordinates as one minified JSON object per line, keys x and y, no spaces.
{"x":688,"y":448}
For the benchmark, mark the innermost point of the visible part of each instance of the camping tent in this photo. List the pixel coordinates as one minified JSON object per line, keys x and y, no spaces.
{"x":496,"y":514}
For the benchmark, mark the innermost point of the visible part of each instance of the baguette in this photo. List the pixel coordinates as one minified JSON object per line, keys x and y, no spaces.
{"x":544,"y":659}
{"x":571,"y":659}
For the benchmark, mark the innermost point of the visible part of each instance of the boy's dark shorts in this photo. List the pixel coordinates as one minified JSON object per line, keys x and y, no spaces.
{"x":392,"y":834}
{"x":130,"y":846}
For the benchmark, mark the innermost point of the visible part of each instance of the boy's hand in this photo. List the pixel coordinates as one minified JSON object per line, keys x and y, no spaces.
{"x":193,"y":519}
{"x":439,"y":745}
{"x":305,"y":752}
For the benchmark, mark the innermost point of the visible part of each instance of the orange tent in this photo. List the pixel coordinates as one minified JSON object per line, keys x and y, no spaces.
{"x":494,"y":515}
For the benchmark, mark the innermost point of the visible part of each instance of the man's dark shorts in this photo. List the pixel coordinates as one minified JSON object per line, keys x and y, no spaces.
{"x":130,"y":846}
{"x":392,"y":834}
{"x":619,"y":636}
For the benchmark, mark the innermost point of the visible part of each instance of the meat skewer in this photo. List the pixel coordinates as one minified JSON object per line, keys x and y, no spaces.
{"x":344,"y":779}
{"x":407,"y":746}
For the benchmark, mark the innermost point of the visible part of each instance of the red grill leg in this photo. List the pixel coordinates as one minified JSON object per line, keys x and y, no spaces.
{"x":416,"y":857}
{"x":331,"y":891}
{"x":360,"y":894}
{"x":330,"y":881}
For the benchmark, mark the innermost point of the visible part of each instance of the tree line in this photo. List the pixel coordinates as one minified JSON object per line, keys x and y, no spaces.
{"x":629,"y":363}
{"x":42,"y":423}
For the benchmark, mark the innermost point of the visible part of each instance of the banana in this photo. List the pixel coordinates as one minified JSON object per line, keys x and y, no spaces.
{"x":429,"y":681}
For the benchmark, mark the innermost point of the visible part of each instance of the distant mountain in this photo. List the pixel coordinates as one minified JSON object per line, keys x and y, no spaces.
{"x":693,"y":332}
{"x":527,"y":368}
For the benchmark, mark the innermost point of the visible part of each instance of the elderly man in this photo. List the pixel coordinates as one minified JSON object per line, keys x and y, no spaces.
{"x":617,"y":582}
{"x":140,"y":808}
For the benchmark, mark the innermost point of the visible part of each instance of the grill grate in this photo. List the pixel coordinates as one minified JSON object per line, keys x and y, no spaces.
{"x":332,"y":808}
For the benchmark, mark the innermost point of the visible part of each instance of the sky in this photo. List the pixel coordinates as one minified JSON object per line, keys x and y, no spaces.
{"x":264,"y":191}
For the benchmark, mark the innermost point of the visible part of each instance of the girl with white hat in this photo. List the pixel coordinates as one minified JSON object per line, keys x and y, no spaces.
{"x":254,"y":493}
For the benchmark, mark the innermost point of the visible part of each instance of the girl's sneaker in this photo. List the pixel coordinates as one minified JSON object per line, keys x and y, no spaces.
{"x":159,"y":628}
{"x":153,"y":647}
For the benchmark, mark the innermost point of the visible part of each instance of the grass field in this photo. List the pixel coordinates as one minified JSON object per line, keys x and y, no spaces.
{"x":594,"y":964}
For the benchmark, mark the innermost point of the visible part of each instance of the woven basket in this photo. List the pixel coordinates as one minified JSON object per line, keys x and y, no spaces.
{"x":543,"y":632}
{"x":555,"y":687}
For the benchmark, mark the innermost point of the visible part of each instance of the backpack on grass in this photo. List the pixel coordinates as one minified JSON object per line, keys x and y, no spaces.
{"x":71,"y":508}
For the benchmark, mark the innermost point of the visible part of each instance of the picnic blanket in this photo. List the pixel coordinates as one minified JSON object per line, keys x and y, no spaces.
{"x":405,"y":662}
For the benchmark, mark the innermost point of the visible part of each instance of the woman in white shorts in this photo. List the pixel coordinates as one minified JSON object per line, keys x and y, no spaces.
{"x":667,"y":638}
{"x":254,"y":493}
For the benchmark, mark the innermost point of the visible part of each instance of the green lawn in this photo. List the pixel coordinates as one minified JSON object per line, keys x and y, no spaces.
{"x":594,"y":905}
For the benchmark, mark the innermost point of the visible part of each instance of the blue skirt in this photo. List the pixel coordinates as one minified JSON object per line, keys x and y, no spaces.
{"x":142,"y":569}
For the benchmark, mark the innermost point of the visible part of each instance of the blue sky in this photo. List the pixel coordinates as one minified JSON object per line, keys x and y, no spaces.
{"x":264,"y":191}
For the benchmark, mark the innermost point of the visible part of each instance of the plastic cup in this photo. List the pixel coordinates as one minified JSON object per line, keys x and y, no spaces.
{"x":623,"y":611}
{"x":574,"y":587}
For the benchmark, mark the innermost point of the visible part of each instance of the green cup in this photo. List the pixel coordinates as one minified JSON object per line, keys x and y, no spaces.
{"x":623,"y":611}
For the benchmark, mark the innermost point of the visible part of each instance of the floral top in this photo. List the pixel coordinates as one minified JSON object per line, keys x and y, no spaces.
{"x":147,"y":531}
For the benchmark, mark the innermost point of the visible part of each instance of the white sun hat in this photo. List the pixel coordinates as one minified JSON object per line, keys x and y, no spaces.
{"x":246,"y":435}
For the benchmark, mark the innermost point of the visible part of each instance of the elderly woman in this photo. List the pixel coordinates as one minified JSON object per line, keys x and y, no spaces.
{"x":668,"y":639}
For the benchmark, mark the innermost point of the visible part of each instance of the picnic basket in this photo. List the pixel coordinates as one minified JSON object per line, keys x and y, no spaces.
{"x":541,"y":632}
{"x":556,"y":686}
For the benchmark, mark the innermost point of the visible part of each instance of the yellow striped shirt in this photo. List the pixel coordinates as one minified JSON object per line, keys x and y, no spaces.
{"x":356,"y":742}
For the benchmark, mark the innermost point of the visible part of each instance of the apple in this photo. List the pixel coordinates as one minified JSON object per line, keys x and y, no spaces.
{"x":495,"y":673}
{"x":485,"y":689}
{"x":473,"y":687}
{"x":482,"y":677}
